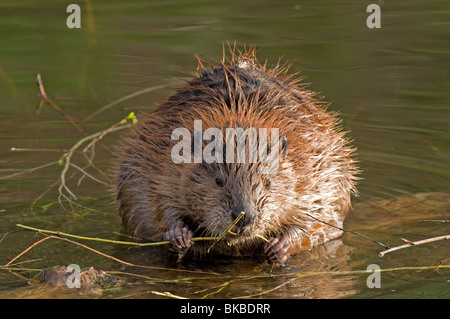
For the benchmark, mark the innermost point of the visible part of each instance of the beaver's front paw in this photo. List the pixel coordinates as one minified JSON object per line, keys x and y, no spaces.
{"x":278,"y":250}
{"x":180,"y":236}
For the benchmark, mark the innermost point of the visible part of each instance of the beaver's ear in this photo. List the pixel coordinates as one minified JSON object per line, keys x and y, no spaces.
{"x":283,"y":145}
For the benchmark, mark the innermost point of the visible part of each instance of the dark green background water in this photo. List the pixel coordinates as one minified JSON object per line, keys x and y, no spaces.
{"x":391,"y":86}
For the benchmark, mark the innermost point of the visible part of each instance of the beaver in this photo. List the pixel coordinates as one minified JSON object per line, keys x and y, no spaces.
{"x":295,"y":205}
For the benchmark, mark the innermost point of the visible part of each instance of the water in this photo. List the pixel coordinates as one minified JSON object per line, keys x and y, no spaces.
{"x":390,"y":85}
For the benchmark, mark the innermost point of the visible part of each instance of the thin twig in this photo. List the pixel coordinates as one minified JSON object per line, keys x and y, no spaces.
{"x":349,"y":231}
{"x":167,"y":294}
{"x":263,"y":238}
{"x":17,"y":269}
{"x":267,"y":291}
{"x":226,"y":231}
{"x":93,"y":138}
{"x":439,"y":264}
{"x":24,"y":149}
{"x":44,"y":98}
{"x":438,"y":220}
{"x":110,"y":241}
{"x":29,"y":170}
{"x":68,"y":156}
{"x":90,"y":160}
{"x":152,"y":279}
{"x":414,"y":243}
{"x":122,"y":99}
{"x":3,"y":235}
{"x":87,"y":174}
{"x":26,"y":250}
{"x":24,"y":262}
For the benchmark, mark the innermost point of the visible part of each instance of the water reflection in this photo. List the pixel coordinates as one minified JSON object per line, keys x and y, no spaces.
{"x":320,"y":273}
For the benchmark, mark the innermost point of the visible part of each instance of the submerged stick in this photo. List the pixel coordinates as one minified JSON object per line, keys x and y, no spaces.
{"x":414,"y":243}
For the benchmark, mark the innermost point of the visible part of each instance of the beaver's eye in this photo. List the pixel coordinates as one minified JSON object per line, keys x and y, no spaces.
{"x":219,"y":182}
{"x":267,"y":185}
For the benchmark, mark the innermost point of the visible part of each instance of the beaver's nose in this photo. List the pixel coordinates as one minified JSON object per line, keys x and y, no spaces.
{"x":237,"y":212}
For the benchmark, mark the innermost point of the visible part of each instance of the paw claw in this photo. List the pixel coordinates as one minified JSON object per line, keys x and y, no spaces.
{"x":180,"y":236}
{"x":278,"y":250}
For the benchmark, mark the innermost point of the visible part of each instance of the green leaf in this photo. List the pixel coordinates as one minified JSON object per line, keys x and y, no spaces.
{"x":46,"y":206}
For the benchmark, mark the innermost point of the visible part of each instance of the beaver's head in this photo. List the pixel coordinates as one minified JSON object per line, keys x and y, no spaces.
{"x":216,"y":193}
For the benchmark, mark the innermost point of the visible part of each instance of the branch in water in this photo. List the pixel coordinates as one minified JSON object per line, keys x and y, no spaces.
{"x":414,"y":243}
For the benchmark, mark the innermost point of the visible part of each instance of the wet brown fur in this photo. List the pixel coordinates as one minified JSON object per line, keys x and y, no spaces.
{"x":316,"y":177}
